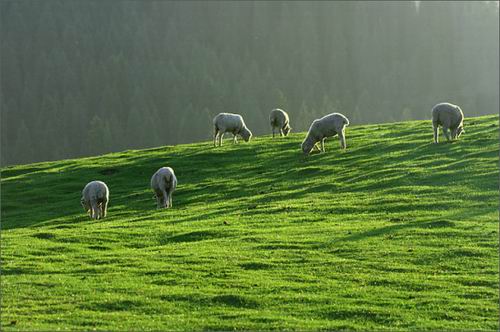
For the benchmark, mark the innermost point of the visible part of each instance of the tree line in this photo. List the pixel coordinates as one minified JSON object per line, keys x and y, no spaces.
{"x":82,"y":78}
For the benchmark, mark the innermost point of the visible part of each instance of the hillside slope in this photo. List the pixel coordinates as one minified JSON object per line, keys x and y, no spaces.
{"x":393,"y":233}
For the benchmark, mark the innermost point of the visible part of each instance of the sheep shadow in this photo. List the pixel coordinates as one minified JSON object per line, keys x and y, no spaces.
{"x":451,"y":221}
{"x":212,"y":174}
{"x":10,"y":171}
{"x":441,"y":223}
{"x":194,"y":236}
{"x":236,"y":301}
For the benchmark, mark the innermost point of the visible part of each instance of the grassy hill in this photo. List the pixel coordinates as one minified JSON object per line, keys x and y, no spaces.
{"x":394,"y":233}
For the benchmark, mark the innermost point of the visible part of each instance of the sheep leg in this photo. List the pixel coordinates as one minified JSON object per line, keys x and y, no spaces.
{"x":221,"y":135}
{"x":170,"y":199}
{"x":216,"y":133}
{"x":436,"y":135}
{"x":342,"y":140}
{"x":273,"y":131}
{"x":158,"y":201}
{"x":323,"y":145}
{"x":99,"y":209}
{"x":104,"y":208}
{"x":235,"y":141}
{"x":165,"y":199}
{"x":281,"y":132}
{"x":88,"y":209}
{"x":94,"y":208}
{"x":446,"y":133}
{"x":454,"y":134}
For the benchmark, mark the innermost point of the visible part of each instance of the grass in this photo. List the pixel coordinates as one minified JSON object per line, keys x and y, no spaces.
{"x":395,"y":233}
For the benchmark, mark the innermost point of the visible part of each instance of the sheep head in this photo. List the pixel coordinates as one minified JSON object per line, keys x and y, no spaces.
{"x":286,"y":130}
{"x":85,"y":205}
{"x":246,"y":134}
{"x":307,"y":145}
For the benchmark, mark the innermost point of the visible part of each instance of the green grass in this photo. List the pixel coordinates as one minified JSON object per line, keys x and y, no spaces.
{"x":394,"y":233}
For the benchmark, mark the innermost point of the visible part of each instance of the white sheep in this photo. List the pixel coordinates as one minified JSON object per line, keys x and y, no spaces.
{"x":163,"y":183}
{"x":449,"y":116}
{"x":95,"y":199}
{"x":328,"y":126}
{"x":279,"y":119}
{"x":233,"y":123}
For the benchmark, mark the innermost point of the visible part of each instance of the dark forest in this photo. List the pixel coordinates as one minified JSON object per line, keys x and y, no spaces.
{"x":82,"y":78}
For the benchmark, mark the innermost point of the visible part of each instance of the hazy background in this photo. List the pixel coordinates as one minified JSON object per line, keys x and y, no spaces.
{"x":82,"y":78}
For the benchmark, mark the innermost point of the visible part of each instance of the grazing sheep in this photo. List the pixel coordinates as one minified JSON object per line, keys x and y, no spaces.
{"x":328,"y":126}
{"x":279,"y":119}
{"x":233,"y":123}
{"x":95,"y":199}
{"x":449,"y":116}
{"x":163,"y":183}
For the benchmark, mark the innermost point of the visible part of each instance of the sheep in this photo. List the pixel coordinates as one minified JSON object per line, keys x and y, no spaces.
{"x":279,"y":119}
{"x":328,"y":126}
{"x":449,"y":116}
{"x":163,"y":183}
{"x":95,"y":199}
{"x":233,"y":123}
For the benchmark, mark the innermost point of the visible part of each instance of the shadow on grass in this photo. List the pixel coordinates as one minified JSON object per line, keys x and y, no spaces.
{"x":13,"y":172}
{"x":124,"y":305}
{"x":360,"y":315}
{"x":191,"y":237}
{"x":256,"y":266}
{"x":448,"y":223}
{"x":228,"y":169}
{"x":236,"y":301}
{"x":193,"y":299}
{"x":231,"y":300}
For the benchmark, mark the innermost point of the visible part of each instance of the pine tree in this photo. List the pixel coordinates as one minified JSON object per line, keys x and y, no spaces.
{"x":23,"y":147}
{"x":148,"y":69}
{"x":99,"y":139}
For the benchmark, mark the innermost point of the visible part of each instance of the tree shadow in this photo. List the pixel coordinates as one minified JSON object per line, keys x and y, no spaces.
{"x":195,"y":236}
{"x":430,"y":223}
{"x":220,"y":174}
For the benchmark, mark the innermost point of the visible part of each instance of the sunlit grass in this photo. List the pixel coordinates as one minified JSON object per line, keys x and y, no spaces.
{"x":394,"y":233}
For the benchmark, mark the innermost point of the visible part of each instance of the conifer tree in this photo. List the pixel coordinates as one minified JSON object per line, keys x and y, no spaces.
{"x":23,"y":147}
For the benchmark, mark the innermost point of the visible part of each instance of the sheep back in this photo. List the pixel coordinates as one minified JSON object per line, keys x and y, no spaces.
{"x":279,"y":118}
{"x":447,"y":115}
{"x":96,"y":191}
{"x":163,"y":179}
{"x":229,"y":122}
{"x":327,"y":126}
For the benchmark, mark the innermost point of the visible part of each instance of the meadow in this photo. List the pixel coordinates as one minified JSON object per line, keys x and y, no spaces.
{"x":395,"y":233}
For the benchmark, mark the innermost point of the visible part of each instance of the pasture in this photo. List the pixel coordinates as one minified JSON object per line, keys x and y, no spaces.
{"x":395,"y":233}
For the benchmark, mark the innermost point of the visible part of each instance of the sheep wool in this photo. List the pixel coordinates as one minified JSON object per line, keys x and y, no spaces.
{"x":450,"y":117}
{"x":279,"y":119}
{"x":95,"y":199}
{"x":328,"y":126}
{"x":163,"y":183}
{"x":232,"y":123}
